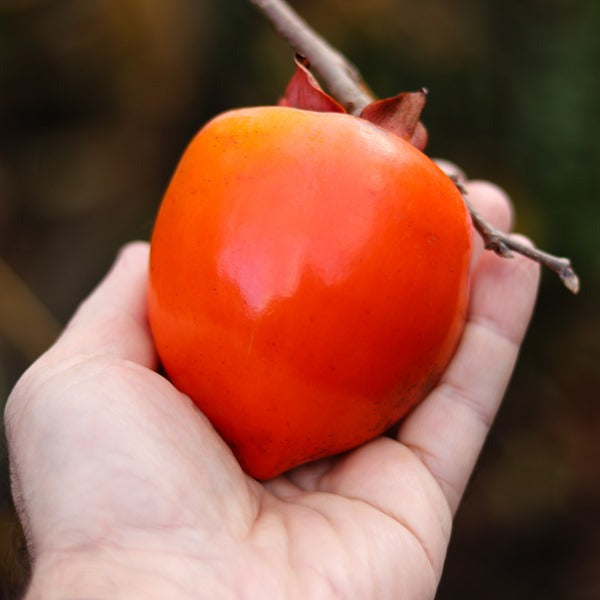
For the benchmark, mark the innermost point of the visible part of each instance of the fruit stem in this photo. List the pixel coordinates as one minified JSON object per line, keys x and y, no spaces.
{"x":339,"y":75}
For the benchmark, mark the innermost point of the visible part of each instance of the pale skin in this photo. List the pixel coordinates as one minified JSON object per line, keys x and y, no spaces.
{"x":126,"y":491}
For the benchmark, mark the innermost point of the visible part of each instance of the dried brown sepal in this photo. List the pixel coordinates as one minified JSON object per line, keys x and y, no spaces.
{"x":303,"y":91}
{"x":400,"y":115}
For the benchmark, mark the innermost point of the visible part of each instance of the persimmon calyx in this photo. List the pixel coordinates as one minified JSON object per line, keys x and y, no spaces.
{"x":399,"y":114}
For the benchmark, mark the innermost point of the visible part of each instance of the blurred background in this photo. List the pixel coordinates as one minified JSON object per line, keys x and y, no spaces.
{"x":98,"y":98}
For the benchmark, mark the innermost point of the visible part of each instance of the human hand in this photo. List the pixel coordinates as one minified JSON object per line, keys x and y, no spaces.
{"x":125,"y":489}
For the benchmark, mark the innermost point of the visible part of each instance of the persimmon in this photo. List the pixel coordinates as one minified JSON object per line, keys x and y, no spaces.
{"x":308,"y":281}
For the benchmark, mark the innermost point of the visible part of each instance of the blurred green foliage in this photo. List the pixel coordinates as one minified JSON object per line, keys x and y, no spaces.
{"x":98,"y":99}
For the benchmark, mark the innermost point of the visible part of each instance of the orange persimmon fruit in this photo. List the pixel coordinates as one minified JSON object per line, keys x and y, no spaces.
{"x":308,"y":281}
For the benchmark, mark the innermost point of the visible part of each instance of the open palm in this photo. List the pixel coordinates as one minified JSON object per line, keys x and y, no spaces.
{"x":125,"y":489}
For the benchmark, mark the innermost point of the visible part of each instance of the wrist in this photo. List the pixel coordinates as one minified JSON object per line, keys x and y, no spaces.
{"x":119,"y":575}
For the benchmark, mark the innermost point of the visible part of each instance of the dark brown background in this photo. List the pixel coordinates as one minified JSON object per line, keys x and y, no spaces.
{"x":98,"y":98}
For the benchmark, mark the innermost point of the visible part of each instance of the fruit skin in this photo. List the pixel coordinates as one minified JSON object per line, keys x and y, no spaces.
{"x":308,"y":281}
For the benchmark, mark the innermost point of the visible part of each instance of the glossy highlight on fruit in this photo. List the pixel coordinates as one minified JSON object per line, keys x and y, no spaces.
{"x":308,"y":281}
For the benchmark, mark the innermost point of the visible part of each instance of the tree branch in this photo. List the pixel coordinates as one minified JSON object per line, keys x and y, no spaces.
{"x":503,"y":244}
{"x":347,"y":87}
